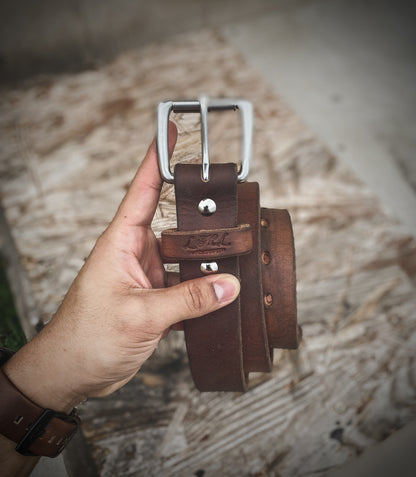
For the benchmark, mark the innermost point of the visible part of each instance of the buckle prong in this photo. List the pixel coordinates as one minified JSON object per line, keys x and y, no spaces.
{"x":203,"y":106}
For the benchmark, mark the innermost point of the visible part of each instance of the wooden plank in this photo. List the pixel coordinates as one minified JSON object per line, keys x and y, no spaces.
{"x":70,"y":147}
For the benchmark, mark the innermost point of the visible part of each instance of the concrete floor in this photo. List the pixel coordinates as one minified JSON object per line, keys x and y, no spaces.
{"x":347,"y":67}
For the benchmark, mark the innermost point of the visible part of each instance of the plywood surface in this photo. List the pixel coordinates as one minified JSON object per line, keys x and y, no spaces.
{"x":70,"y":146}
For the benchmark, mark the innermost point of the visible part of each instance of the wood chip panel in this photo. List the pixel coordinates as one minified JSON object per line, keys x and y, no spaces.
{"x":70,"y":146}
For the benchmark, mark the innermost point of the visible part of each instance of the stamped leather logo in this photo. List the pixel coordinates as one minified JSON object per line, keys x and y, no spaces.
{"x":203,"y":243}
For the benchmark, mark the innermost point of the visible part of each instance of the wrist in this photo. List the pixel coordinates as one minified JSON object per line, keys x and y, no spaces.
{"x":40,"y":375}
{"x":35,"y":430}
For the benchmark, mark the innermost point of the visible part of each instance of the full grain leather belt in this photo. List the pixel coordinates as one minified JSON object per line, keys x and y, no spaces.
{"x":221,"y":228}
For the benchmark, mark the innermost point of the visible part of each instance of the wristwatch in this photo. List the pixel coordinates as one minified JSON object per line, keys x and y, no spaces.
{"x":37,"y":431}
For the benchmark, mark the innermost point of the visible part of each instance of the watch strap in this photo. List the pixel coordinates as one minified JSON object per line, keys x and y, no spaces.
{"x":36,"y":431}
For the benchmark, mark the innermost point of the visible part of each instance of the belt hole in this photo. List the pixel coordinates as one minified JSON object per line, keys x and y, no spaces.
{"x":18,"y":420}
{"x":268,"y":300}
{"x":264,"y":223}
{"x":266,"y":257}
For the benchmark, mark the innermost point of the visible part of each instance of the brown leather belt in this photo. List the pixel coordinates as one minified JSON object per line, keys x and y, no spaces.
{"x":221,"y":227}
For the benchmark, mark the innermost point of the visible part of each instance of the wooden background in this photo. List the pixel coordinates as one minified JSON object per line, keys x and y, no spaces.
{"x":70,"y":146}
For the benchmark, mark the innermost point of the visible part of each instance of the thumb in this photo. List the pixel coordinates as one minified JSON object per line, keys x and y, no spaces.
{"x":194,"y":298}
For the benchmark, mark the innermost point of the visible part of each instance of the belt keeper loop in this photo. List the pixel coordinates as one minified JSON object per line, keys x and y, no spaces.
{"x":206,"y":244}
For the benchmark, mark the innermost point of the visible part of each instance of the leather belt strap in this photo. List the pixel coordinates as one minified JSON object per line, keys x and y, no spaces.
{"x":238,"y":339}
{"x":214,"y":342}
{"x":256,"y":352}
{"x":279,"y":278}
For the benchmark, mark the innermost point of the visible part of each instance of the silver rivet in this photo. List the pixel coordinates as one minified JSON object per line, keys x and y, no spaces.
{"x":207,"y":207}
{"x":209,"y":267}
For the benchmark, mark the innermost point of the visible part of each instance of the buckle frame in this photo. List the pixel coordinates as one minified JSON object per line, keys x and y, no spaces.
{"x":36,"y":430}
{"x":203,"y":106}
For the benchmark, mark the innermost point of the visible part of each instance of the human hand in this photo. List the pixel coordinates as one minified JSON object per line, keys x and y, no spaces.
{"x":117,"y":310}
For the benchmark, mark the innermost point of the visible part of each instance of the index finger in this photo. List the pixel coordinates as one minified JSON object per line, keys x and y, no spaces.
{"x":139,"y":204}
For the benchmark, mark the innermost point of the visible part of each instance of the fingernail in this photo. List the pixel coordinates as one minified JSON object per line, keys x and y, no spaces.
{"x":226,"y":289}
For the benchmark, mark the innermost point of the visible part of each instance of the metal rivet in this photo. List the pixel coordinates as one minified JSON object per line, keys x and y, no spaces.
{"x":266,"y":257}
{"x":207,"y":207}
{"x":268,"y":300}
{"x":209,"y":267}
{"x":264,"y":223}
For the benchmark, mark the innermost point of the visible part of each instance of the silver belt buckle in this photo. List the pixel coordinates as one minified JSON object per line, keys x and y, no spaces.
{"x":203,"y":106}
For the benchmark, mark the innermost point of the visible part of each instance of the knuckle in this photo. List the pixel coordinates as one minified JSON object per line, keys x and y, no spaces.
{"x":194,"y":298}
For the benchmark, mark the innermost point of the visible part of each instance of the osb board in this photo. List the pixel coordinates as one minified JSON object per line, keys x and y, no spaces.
{"x":70,"y":146}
